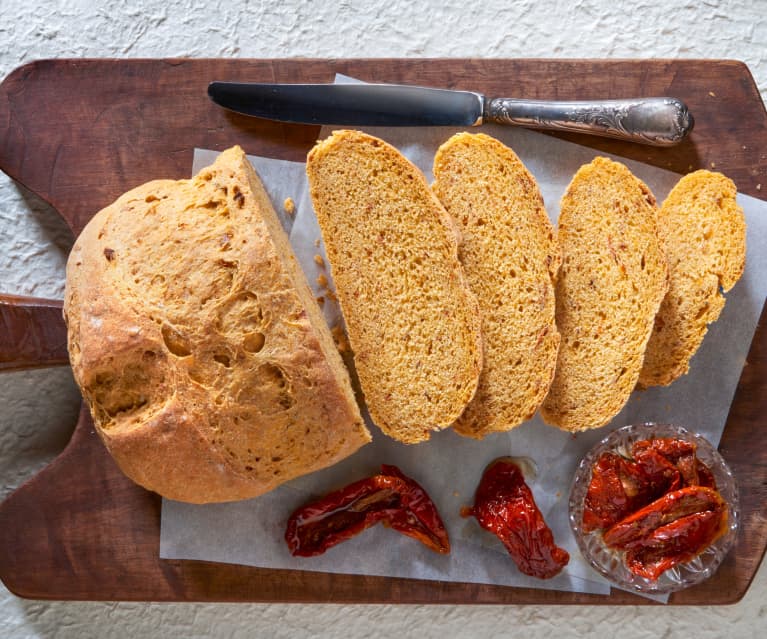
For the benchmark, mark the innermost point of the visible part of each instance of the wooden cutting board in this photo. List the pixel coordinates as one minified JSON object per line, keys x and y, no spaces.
{"x":81,"y":132}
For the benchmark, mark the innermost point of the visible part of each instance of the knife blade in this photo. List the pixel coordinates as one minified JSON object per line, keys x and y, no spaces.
{"x":657,"y":121}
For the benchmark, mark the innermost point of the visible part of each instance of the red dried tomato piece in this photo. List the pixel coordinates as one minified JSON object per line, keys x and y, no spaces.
{"x":619,"y":486}
{"x":634,"y":531}
{"x":391,"y":498}
{"x":677,"y":451}
{"x":676,"y":542}
{"x":661,"y":475}
{"x":504,"y":505}
{"x":705,"y":476}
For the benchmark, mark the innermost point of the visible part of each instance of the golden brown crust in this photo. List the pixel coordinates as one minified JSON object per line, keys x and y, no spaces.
{"x":511,"y":257}
{"x":610,"y":286}
{"x":413,"y":324}
{"x":197,"y":344}
{"x":703,"y":231}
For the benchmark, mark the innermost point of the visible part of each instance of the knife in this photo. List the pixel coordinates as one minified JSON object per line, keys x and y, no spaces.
{"x":655,"y":121}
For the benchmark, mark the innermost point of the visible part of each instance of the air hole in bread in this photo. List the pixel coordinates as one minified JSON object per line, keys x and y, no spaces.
{"x":223,"y":359}
{"x":272,"y":374}
{"x":253,"y":342}
{"x":238,"y":197}
{"x":175,"y":342}
{"x":119,"y":393}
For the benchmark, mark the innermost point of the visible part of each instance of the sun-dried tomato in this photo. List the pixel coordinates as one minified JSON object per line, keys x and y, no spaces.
{"x":620,"y":486}
{"x":676,"y":542}
{"x":636,"y":529}
{"x":680,"y":453}
{"x":390,"y":498}
{"x":705,"y":476}
{"x":660,"y":507}
{"x":504,"y":505}
{"x":616,"y":487}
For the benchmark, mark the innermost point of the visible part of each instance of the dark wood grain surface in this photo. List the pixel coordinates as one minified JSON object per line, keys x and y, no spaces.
{"x":32,"y":333}
{"x":81,"y":132}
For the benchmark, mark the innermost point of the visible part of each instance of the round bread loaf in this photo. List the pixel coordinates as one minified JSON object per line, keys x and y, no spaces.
{"x":193,"y":335}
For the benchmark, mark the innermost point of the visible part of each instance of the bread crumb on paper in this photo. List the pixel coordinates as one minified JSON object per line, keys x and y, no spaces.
{"x":319,"y":261}
{"x":322,"y":280}
{"x":289,"y":205}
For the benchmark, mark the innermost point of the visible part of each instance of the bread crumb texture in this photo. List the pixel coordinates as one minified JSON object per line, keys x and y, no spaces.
{"x":610,"y":286}
{"x":703,"y":231}
{"x":511,"y":257}
{"x":413,"y":324}
{"x":195,"y":339}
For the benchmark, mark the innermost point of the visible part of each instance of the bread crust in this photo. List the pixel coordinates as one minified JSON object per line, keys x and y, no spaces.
{"x":208,"y":374}
{"x":703,"y":231}
{"x":610,"y":286}
{"x":511,"y":256}
{"x":413,"y":324}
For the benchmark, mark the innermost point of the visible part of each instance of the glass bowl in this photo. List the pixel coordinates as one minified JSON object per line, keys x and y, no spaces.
{"x":609,"y":562}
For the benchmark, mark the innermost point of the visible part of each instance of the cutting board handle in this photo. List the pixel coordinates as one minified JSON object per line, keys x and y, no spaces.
{"x":32,"y":333}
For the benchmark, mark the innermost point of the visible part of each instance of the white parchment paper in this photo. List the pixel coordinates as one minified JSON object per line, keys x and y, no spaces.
{"x":449,"y":466}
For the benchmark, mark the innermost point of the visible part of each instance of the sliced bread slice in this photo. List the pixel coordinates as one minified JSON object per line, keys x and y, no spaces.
{"x":510,"y":256}
{"x":610,"y":286}
{"x":703,"y":231}
{"x":413,"y":324}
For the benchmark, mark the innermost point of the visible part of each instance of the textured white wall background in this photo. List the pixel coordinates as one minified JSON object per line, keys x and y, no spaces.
{"x":33,"y":249}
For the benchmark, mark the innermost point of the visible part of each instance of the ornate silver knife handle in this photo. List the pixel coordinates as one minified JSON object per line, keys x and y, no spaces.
{"x":654,"y":121}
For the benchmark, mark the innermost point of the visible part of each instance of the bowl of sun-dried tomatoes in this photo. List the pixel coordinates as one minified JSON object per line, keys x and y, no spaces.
{"x":654,"y":508}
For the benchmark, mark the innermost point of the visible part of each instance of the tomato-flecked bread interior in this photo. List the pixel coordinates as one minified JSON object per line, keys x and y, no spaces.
{"x":610,"y":286}
{"x":413,"y":324}
{"x":703,"y":231}
{"x":511,"y":256}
